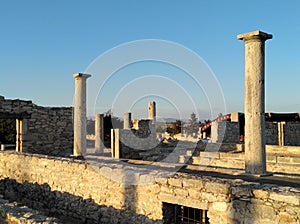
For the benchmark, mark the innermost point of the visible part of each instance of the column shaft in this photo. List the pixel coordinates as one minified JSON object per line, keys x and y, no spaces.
{"x":80,"y":114}
{"x":127,"y":121}
{"x":254,"y":101}
{"x":99,"y":133}
{"x":152,"y":111}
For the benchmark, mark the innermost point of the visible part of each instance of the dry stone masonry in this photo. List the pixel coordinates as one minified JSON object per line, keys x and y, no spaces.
{"x":141,"y":137}
{"x":276,"y":132}
{"x":45,"y":130}
{"x":111,"y":191}
{"x":226,"y":132}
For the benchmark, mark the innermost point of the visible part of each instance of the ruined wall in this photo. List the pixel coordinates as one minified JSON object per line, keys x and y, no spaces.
{"x":104,"y":192}
{"x":291,"y":133}
{"x":136,"y":143}
{"x":46,"y":130}
{"x":271,"y":133}
{"x":226,"y":132}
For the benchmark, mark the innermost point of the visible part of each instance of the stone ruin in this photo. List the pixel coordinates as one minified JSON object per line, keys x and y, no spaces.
{"x":281,"y":129}
{"x":43,"y":130}
{"x":95,"y":189}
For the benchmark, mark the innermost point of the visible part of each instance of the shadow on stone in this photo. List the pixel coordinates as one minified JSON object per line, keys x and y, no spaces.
{"x":66,"y":207}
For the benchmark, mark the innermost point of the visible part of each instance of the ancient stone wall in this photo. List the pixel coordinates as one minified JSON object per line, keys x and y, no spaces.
{"x":135,"y":142}
{"x":271,"y":133}
{"x":117,"y":192}
{"x":230,"y":133}
{"x":46,"y":130}
{"x":226,"y":132}
{"x":291,"y":133}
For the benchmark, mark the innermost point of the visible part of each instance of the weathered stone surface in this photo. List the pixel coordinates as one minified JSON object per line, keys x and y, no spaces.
{"x":176,"y":182}
{"x":96,"y":196}
{"x":220,"y":206}
{"x":45,"y":130}
{"x":217,"y":188}
{"x":291,"y":199}
{"x":194,"y":183}
{"x":261,"y":194}
{"x":196,"y":194}
{"x":284,"y":217}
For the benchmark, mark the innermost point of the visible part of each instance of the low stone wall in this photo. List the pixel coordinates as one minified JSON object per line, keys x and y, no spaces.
{"x":278,"y":163}
{"x":111,"y":191}
{"x":285,"y":150}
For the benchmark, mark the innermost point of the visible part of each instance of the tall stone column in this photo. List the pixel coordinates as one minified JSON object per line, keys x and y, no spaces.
{"x":152,"y":111}
{"x":19,"y":139}
{"x":254,"y":101}
{"x":80,"y":114}
{"x":127,"y":120}
{"x":99,"y":133}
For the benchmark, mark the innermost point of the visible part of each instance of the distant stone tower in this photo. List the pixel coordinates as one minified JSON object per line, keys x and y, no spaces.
{"x":152,"y":111}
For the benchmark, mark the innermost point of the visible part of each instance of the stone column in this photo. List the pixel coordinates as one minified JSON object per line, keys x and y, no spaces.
{"x":115,"y":143}
{"x":127,"y":120}
{"x":254,"y":101}
{"x":80,"y":114}
{"x":152,"y":111}
{"x":99,"y":133}
{"x":280,"y":126}
{"x":19,"y":140}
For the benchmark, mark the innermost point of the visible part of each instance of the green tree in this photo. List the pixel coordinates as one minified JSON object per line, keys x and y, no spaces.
{"x":192,"y":125}
{"x":8,"y":131}
{"x":110,"y":122}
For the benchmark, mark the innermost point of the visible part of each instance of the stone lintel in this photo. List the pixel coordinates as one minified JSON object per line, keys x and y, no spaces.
{"x":254,"y":35}
{"x":81,"y":75}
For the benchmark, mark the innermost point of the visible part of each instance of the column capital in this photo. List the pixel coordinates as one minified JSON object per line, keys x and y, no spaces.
{"x":81,"y":75}
{"x":255,"y":35}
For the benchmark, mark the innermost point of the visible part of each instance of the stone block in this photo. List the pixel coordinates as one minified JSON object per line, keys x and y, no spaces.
{"x":271,"y":159}
{"x":289,"y":199}
{"x":175,"y":182}
{"x":209,"y":197}
{"x":193,"y":183}
{"x":220,"y":206}
{"x":181,"y":192}
{"x":260,"y":194}
{"x":217,"y":188}
{"x":261,"y":212}
{"x":196,"y":194}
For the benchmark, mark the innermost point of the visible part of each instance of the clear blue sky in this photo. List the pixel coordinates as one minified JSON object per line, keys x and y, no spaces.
{"x":42,"y":43}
